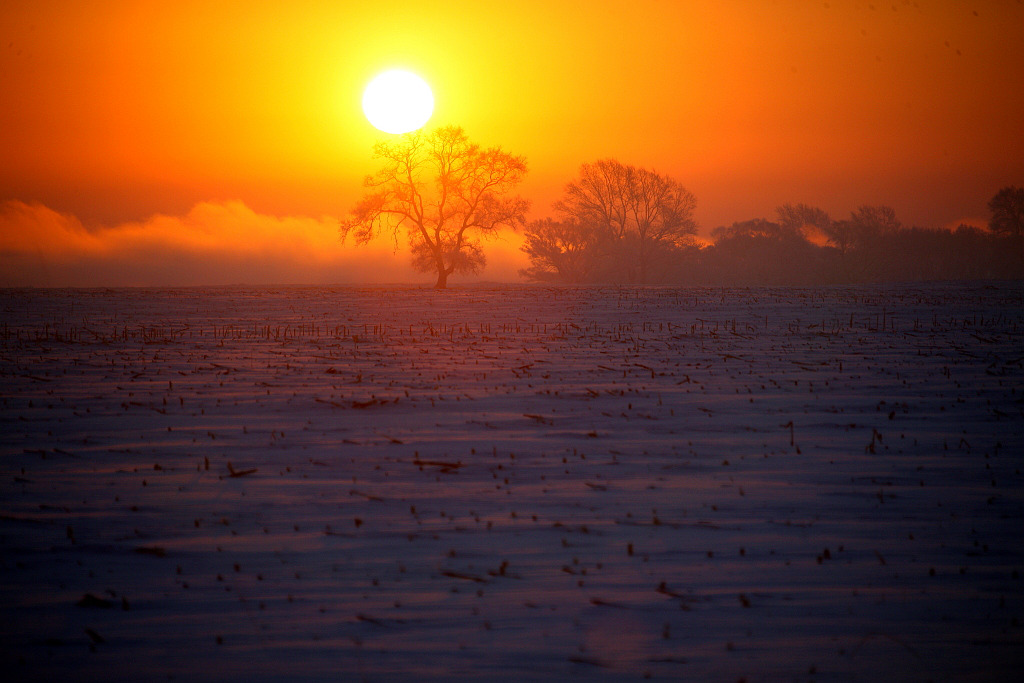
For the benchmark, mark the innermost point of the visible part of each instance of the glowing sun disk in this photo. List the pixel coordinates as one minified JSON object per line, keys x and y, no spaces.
{"x":398,"y":101}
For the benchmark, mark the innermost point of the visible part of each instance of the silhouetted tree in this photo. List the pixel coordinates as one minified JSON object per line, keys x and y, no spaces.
{"x":871,"y":222}
{"x":803,"y":219}
{"x":760,"y":252}
{"x":1007,"y":207}
{"x":560,"y":251}
{"x":841,"y":235}
{"x":636,"y":215}
{"x":446,"y":192}
{"x":806,"y":219}
{"x":877,"y":252}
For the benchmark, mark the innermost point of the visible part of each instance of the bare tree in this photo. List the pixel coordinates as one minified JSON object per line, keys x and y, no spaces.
{"x":1007,"y":207}
{"x":629,"y":205}
{"x":840,"y":235}
{"x":559,"y":251}
{"x":872,"y":222}
{"x":802,"y":218}
{"x":446,"y":193}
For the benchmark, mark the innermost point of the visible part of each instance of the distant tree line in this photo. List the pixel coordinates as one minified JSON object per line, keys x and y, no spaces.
{"x":617,"y":223}
{"x":621,"y":224}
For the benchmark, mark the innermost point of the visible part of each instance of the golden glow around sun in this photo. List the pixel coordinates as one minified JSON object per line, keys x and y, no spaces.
{"x":398,"y":101}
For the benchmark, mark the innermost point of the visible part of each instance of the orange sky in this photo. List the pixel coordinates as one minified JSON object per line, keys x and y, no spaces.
{"x":127,"y":124}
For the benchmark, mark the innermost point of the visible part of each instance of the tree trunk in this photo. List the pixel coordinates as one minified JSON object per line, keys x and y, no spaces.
{"x":442,"y":279}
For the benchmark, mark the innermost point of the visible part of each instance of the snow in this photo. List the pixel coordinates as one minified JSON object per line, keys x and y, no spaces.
{"x":512,"y":483}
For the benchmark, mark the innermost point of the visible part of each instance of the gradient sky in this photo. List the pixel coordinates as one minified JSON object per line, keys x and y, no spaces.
{"x":227,"y":138}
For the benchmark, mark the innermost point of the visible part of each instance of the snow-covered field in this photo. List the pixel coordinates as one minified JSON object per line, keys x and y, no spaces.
{"x":512,"y":483}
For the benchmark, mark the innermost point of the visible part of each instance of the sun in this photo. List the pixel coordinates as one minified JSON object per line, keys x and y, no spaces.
{"x":398,"y":101}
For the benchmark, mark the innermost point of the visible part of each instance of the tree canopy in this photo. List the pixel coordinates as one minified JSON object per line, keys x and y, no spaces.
{"x":1007,"y":207}
{"x":446,"y":193}
{"x":800,"y":219}
{"x":558,"y":251}
{"x":618,"y":223}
